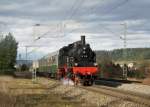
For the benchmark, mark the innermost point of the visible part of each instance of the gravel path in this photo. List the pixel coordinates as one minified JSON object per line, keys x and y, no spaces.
{"x":145,"y":89}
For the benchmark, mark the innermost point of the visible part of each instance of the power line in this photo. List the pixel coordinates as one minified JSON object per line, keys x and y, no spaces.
{"x":72,"y":9}
{"x":76,"y":8}
{"x":116,"y":6}
{"x":104,"y":26}
{"x":119,"y":5}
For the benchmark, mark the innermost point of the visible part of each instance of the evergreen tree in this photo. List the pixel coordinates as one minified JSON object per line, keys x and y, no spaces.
{"x":8,"y":52}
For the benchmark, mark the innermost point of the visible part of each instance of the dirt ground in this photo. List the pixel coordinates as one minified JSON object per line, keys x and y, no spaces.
{"x":146,"y":81}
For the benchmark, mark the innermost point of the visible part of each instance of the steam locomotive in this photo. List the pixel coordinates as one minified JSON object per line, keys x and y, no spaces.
{"x":76,"y":61}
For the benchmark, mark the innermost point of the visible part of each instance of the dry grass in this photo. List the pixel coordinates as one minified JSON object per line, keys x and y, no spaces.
{"x":24,"y":93}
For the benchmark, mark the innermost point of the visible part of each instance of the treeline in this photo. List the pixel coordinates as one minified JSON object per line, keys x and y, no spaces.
{"x":8,"y":53}
{"x":128,"y":54}
{"x":107,"y":59}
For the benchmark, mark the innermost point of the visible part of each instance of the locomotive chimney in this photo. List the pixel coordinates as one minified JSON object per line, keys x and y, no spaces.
{"x":83,"y":39}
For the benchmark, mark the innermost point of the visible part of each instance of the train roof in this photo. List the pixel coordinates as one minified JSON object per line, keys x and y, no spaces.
{"x":50,"y":55}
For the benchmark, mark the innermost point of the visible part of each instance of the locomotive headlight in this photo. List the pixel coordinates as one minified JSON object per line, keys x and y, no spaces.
{"x":95,"y":64}
{"x":76,"y":64}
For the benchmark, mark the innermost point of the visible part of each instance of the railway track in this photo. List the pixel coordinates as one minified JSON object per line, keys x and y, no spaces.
{"x":114,"y":82}
{"x":120,"y":94}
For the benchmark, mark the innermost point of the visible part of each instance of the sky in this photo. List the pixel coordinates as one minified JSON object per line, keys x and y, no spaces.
{"x":60,"y":22}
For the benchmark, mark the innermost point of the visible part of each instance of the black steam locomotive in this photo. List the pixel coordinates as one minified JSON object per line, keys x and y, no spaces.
{"x":77,"y":61}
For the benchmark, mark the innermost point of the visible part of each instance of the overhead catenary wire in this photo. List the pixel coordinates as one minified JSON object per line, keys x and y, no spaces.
{"x":112,"y":9}
{"x":133,"y":15}
{"x":74,"y":9}
{"x":104,"y":27}
{"x":81,"y":2}
{"x":122,"y":3}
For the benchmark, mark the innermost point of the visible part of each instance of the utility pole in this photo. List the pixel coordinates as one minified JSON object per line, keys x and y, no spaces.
{"x":124,"y":51}
{"x":26,"y":61}
{"x":26,"y":55}
{"x":34,"y":71}
{"x":1,"y":36}
{"x":34,"y":75}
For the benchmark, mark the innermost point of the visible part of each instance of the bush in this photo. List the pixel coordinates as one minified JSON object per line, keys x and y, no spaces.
{"x":140,"y":75}
{"x":24,"y":67}
{"x":136,"y":74}
{"x":131,"y":74}
{"x":110,"y":70}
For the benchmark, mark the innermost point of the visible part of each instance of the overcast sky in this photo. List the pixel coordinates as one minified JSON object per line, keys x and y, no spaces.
{"x":63,"y":21}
